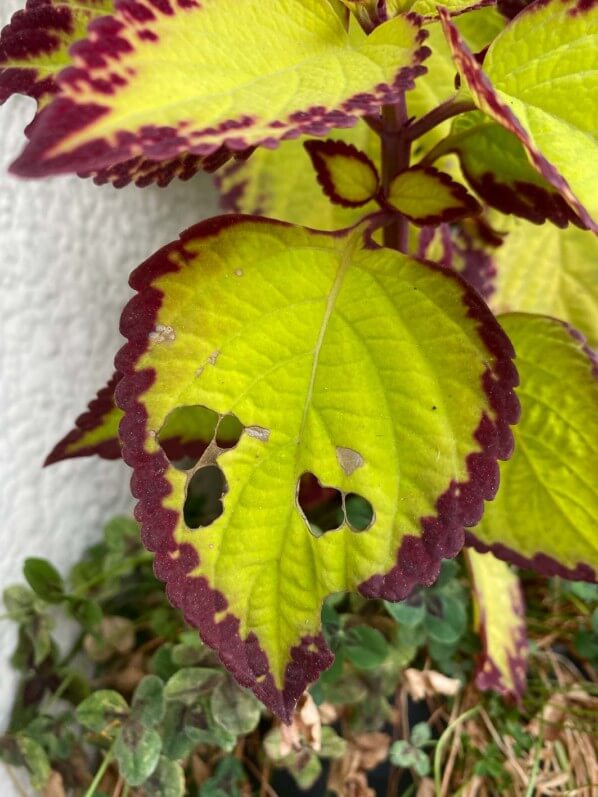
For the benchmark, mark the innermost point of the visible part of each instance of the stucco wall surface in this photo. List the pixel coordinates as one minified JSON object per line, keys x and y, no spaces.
{"x":66,"y":249}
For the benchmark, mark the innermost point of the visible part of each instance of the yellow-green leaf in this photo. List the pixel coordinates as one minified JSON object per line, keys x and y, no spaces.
{"x":549,"y":271}
{"x":500,"y":621}
{"x":544,"y":515}
{"x":334,"y":358}
{"x":428,"y":196}
{"x":266,"y":71}
{"x":283,"y":185}
{"x":346,"y":174}
{"x":540,"y":81}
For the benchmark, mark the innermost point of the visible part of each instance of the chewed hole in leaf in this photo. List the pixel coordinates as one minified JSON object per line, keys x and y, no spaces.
{"x":188,"y":431}
{"x":203,"y":504}
{"x":359,"y":512}
{"x":328,"y":509}
{"x":320,"y":506}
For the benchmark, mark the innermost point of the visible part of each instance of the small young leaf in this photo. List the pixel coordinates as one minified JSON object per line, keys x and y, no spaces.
{"x":365,"y":647}
{"x":44,"y":580}
{"x":500,"y":621}
{"x":19,"y":602}
{"x":148,"y":705}
{"x":282,"y":184}
{"x":420,"y":734}
{"x":544,"y":514}
{"x":191,"y":683}
{"x":426,"y":196}
{"x":402,"y":754}
{"x":137,"y":751}
{"x":234,"y":709}
{"x":167,"y":780}
{"x":102,"y":708}
{"x":346,"y":174}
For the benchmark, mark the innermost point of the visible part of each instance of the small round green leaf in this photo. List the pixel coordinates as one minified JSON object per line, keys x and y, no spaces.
{"x":191,"y":683}
{"x":234,"y":709}
{"x":445,"y":620}
{"x":167,"y":780}
{"x":137,"y":750}
{"x":44,"y":579}
{"x":101,"y":709}
{"x":365,"y":647}
{"x":148,"y":703}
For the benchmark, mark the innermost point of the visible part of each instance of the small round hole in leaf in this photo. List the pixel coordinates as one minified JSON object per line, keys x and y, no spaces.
{"x":188,"y":431}
{"x":203,"y":504}
{"x":360,"y":513}
{"x":321,"y":507}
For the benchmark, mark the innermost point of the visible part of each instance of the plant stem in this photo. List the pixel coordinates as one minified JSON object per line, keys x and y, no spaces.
{"x":396,"y":151}
{"x":99,"y":774}
{"x":442,"y":744}
{"x":436,"y":116}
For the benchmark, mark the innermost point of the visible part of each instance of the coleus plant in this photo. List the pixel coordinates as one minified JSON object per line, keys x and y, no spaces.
{"x":414,"y":197}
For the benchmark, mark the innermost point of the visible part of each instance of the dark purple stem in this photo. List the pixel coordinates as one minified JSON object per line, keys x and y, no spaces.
{"x":396,"y":152}
{"x":436,"y":116}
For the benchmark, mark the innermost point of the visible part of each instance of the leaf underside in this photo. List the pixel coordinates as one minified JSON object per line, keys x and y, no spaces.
{"x":500,"y":620}
{"x":268,"y":323}
{"x":540,"y":82}
{"x":544,"y":515}
{"x":114,"y":104}
{"x":494,"y":163}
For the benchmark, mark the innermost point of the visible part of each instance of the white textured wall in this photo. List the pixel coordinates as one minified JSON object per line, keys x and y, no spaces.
{"x":66,"y":249}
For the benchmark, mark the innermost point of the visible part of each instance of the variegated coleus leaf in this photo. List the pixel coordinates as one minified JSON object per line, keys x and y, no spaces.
{"x":540,"y":82}
{"x":329,"y":355}
{"x":549,"y":271}
{"x":346,"y":174}
{"x":499,"y":615}
{"x":494,"y":162}
{"x":427,"y":196}
{"x":544,"y":515}
{"x":96,"y":430}
{"x":34,"y":45}
{"x":263,"y":73}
